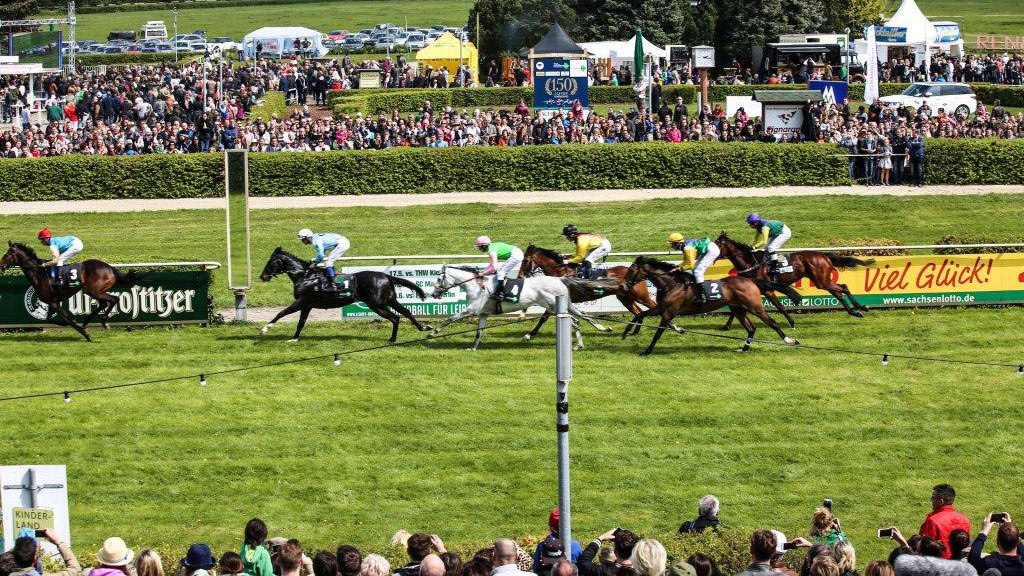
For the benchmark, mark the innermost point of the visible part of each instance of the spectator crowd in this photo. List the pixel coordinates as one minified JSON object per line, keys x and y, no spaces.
{"x":148,"y":109}
{"x":943,"y":546}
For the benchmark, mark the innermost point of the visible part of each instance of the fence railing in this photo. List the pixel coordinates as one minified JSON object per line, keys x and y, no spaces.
{"x":395,"y":258}
{"x":203,"y":265}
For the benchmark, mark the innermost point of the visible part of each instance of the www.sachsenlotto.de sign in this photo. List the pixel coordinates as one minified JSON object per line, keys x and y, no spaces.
{"x":159,"y":298}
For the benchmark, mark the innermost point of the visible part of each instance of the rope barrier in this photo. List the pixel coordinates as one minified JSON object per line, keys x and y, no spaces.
{"x":202,"y":376}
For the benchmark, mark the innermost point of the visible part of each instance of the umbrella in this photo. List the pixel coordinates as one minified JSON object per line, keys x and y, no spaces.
{"x":638,"y":54}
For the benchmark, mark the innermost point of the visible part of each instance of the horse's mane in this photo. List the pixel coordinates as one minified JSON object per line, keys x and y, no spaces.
{"x":30,"y":252}
{"x":655,"y":263}
{"x":553,"y":254}
{"x":288,"y":254}
{"x":463,"y":268}
{"x":740,"y":245}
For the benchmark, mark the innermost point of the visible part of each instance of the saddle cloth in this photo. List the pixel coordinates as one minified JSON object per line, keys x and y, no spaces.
{"x":70,"y":275}
{"x":513,"y":289}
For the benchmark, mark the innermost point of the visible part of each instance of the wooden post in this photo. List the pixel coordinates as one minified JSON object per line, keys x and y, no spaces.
{"x":703,"y":88}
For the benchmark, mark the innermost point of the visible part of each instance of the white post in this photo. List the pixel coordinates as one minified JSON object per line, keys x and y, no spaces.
{"x":174,"y":11}
{"x":563,"y":373}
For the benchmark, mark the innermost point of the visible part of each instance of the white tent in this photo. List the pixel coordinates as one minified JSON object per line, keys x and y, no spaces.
{"x":281,"y":40}
{"x":910,"y":27}
{"x":620,"y":52}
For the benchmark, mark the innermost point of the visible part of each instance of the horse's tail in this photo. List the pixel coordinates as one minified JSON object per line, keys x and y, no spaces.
{"x":128,"y":279}
{"x":410,"y":285}
{"x":786,"y":289}
{"x":847,"y":261}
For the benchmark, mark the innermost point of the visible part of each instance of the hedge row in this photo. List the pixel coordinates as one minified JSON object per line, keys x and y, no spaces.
{"x":137,"y":58}
{"x":132,"y":6}
{"x":961,"y":162}
{"x":405,"y":171}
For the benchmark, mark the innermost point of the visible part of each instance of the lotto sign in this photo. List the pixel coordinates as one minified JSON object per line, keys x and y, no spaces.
{"x":558,"y":82}
{"x":159,"y":298}
{"x":832,"y":92}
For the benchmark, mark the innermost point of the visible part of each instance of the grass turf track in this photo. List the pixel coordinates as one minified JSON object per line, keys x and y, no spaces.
{"x":431,"y":437}
{"x":634,"y":226}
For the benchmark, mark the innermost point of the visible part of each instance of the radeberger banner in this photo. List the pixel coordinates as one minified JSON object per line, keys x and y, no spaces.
{"x":159,"y":298}
{"x":892,"y":282}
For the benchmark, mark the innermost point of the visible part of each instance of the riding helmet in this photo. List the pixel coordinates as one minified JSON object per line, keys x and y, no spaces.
{"x":753,"y":218}
{"x":45,"y":233}
{"x":305,"y":233}
{"x":675,"y":238}
{"x":482,"y":241}
{"x":570,"y":230}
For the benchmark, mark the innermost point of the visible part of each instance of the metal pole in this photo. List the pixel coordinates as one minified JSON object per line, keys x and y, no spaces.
{"x":175,"y":12}
{"x":32,"y":488}
{"x":563,"y":373}
{"x":241,"y":303}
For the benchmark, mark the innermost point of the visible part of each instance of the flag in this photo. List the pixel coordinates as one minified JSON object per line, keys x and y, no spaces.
{"x":638,"y":55}
{"x":871,"y":80}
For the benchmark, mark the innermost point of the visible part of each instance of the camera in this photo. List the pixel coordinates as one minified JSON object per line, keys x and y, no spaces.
{"x":885,"y":532}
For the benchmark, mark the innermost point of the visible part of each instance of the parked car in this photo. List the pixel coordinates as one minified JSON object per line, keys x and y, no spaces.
{"x":416,"y":41}
{"x":114,"y":50}
{"x":223,"y":43}
{"x":953,"y":98}
{"x":164,"y":47}
{"x":337,"y":35}
{"x":126,"y":35}
{"x":386,"y":42}
{"x":352,"y":44}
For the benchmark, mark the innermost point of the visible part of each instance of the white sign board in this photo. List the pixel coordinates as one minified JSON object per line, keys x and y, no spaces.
{"x":50,"y":486}
{"x":750,"y":106}
{"x":785,"y":119}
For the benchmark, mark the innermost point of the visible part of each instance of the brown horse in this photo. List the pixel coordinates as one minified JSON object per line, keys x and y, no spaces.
{"x":551,"y":263}
{"x":676,"y":297}
{"x":818,"y":267}
{"x":97,"y":279}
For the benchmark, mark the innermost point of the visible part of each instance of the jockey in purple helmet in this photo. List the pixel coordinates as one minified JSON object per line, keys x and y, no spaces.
{"x":770,"y":235}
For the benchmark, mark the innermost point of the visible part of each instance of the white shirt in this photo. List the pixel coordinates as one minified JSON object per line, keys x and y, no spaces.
{"x":510,"y":570}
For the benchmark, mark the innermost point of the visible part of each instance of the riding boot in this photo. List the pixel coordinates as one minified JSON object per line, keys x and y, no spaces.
{"x":499,"y":290}
{"x":55,"y":275}
{"x":586,"y":270}
{"x":331,"y":276}
{"x":701,"y":298}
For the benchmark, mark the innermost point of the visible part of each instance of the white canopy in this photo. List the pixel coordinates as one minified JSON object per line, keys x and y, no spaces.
{"x":281,"y":40}
{"x":909,"y":16}
{"x":620,"y":52}
{"x":920,"y":32}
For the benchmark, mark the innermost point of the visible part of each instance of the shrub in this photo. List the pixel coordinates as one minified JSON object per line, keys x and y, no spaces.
{"x":273,"y":103}
{"x":413,"y":170}
{"x":978,"y":239}
{"x":127,"y":58}
{"x":866,"y":241}
{"x":961,"y":162}
{"x":1007,"y":95}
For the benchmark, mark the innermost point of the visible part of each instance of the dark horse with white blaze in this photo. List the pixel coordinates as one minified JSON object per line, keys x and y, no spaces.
{"x":676,"y":296}
{"x":96,"y":280}
{"x":375,"y":289}
{"x":818,"y":267}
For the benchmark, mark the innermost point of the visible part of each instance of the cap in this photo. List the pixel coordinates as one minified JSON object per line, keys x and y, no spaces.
{"x":553,"y":552}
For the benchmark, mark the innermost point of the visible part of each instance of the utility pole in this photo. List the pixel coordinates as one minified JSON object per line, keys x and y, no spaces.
{"x":563,"y":373}
{"x":174,"y":11}
{"x":72,"y":42}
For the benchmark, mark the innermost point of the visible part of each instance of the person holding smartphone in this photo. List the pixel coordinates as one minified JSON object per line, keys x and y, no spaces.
{"x":26,"y":553}
{"x":1009,"y":557}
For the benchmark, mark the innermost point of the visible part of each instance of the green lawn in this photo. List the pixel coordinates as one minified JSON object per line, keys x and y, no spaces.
{"x":976,"y":16}
{"x":432,"y":437}
{"x":323,"y":16}
{"x":199,"y":234}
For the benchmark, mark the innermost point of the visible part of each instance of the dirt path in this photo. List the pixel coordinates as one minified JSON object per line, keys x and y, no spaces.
{"x":399,"y":200}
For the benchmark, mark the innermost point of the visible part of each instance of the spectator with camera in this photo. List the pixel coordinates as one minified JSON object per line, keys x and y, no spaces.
{"x":623,"y":542}
{"x":943,"y":518}
{"x":418,"y":547}
{"x":1008,"y":556}
{"x":27,"y":552}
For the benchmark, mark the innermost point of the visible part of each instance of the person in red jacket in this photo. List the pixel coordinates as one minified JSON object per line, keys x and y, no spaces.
{"x":943,"y":518}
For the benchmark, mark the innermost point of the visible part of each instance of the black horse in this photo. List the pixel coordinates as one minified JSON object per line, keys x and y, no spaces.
{"x":312,"y":290}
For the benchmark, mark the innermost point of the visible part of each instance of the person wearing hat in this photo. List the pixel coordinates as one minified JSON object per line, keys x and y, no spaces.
{"x":62,"y":248}
{"x":26,"y":552}
{"x":115,"y":558}
{"x":538,"y":555}
{"x":197,"y":560}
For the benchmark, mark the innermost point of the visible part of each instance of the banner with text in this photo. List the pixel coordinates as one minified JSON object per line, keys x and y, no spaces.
{"x":557,"y":82}
{"x":892,"y":282}
{"x":159,"y":298}
{"x":832,"y":92}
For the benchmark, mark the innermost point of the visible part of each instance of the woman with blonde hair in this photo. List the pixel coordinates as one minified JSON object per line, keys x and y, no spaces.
{"x":845,"y":557}
{"x":824,"y":565}
{"x":825,"y":528}
{"x":879,"y":568}
{"x":375,"y":565}
{"x":649,"y":558}
{"x":149,"y":564}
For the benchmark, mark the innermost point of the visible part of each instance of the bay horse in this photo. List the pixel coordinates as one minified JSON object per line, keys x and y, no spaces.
{"x":676,"y":297}
{"x":375,"y":289}
{"x":818,"y":267}
{"x":551,"y":263}
{"x":97,"y":278}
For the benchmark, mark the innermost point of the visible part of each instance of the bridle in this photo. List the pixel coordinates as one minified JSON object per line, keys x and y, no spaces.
{"x":748,"y":252}
{"x":444,"y":286}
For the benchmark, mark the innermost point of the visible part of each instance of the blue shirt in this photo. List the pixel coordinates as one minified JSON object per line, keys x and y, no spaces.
{"x":324,"y":242}
{"x":62,"y":243}
{"x":577,"y":549}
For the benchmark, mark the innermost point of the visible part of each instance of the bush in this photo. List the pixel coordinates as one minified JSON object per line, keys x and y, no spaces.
{"x":961,"y":162}
{"x":414,"y":170}
{"x":1007,"y":95}
{"x":865,"y":241}
{"x":978,"y":239}
{"x":126,"y":58}
{"x":105,"y":6}
{"x":273,"y":103}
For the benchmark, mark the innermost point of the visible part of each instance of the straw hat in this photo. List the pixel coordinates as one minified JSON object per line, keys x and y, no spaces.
{"x":115,"y":553}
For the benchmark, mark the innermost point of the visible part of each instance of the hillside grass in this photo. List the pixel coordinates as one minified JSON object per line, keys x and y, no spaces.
{"x":631,"y":226}
{"x":324,"y":16}
{"x":975,"y":16}
{"x":431,"y":437}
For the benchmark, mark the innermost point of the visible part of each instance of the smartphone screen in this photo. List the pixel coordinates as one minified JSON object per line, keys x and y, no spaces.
{"x":885,"y":532}
{"x":40,"y":533}
{"x":827,"y":503}
{"x":789,"y":546}
{"x":999,"y":518}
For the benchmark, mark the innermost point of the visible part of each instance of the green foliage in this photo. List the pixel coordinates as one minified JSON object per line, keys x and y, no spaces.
{"x":662,"y":21}
{"x":127,"y":58}
{"x":1007,"y":95}
{"x":974,"y":161}
{"x":854,"y":14}
{"x":273,"y":103}
{"x":132,"y":6}
{"x":983,"y":238}
{"x":511,"y":25}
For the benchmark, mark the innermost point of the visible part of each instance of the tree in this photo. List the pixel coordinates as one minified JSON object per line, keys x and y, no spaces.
{"x":508,"y":26}
{"x":747,"y":24}
{"x":853,"y":14}
{"x":661,"y":21}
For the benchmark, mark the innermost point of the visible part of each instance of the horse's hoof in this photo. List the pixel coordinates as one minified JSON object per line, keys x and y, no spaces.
{"x":294,"y":340}
{"x":432,"y":334}
{"x":857,"y":314}
{"x":527,"y":337}
{"x":471,"y":349}
{"x":645,"y":353}
{"x":602,"y":328}
{"x":725,"y":328}
{"x":265,"y":329}
{"x":791,"y":341}
{"x":742,"y":350}
{"x":578,"y":347}
{"x":426,"y":327}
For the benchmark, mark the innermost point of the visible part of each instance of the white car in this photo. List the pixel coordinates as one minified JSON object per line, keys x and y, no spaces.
{"x":953,"y":98}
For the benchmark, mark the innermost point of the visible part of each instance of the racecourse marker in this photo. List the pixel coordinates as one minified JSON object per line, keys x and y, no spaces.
{"x":236,"y":208}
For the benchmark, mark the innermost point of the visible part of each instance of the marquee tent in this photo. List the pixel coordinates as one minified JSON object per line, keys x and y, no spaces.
{"x":910,"y":27}
{"x":622,"y":52}
{"x":556,"y":43}
{"x":281,"y":40}
{"x":449,"y":52}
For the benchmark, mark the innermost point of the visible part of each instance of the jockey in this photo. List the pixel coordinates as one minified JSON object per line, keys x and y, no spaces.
{"x":329,"y":247}
{"x":590,"y":248}
{"x":770,"y":235}
{"x":62,"y":248}
{"x":698,"y":255}
{"x":498,"y":251}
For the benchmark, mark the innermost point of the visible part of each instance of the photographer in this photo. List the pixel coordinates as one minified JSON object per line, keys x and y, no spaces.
{"x":623,"y":543}
{"x":825,"y":528}
{"x":1007,"y":559}
{"x":26,"y":553}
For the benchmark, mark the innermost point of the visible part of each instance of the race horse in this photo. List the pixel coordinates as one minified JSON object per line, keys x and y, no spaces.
{"x":818,"y":267}
{"x":551,"y":263}
{"x":676,"y":296}
{"x":96,"y":279}
{"x":537,"y":291}
{"x":312,"y":290}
